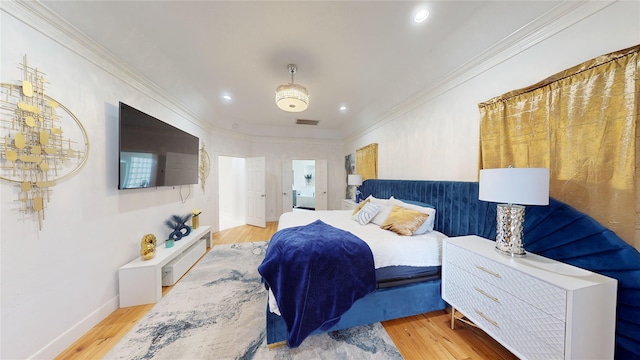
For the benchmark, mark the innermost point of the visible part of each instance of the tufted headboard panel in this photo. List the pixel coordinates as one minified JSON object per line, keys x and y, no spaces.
{"x":557,"y":231}
{"x":458,"y":210}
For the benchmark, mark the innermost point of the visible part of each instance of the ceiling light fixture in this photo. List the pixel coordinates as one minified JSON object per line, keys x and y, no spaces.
{"x":292,"y":97}
{"x":421,"y":15}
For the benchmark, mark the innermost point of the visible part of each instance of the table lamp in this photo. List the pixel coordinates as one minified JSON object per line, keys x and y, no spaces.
{"x":513,"y":188}
{"x":355,"y":180}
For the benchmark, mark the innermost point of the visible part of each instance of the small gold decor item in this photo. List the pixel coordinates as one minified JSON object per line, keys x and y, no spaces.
{"x":41,"y":141}
{"x":195,"y":218}
{"x":148,"y":247}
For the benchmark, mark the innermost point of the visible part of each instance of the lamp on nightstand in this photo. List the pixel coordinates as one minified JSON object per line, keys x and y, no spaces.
{"x":355,"y":180}
{"x":513,"y":187}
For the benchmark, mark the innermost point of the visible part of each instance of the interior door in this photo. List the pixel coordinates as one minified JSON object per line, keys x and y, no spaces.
{"x":321,"y":184}
{"x":287,"y":186}
{"x":256,"y":193}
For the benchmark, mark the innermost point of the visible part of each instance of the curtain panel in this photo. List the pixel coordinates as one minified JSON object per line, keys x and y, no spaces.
{"x":367,"y":161}
{"x":581,"y":124}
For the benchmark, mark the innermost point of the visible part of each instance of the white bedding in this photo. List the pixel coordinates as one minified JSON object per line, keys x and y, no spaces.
{"x":388,"y":248}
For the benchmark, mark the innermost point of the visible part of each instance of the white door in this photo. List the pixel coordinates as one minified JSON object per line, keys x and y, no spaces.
{"x":321,"y":184}
{"x":256,"y":194}
{"x":287,"y":186}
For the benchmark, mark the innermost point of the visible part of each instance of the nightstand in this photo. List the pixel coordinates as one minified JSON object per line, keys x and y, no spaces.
{"x":349,"y":204}
{"x":535,"y":307}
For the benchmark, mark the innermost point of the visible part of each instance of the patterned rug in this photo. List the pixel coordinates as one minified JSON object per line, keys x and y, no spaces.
{"x":217,"y":311}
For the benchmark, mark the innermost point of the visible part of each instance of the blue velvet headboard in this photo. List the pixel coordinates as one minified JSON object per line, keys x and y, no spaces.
{"x":557,"y":231}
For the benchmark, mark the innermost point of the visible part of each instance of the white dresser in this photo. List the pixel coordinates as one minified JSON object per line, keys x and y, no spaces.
{"x":536,"y":307}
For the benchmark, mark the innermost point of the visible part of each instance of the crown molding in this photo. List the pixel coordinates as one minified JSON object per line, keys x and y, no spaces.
{"x":562,"y":16}
{"x":37,"y":16}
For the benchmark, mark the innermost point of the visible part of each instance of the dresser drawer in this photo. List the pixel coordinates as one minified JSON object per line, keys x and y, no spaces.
{"x":535,"y":292}
{"x":511,"y":311}
{"x":507,"y":331}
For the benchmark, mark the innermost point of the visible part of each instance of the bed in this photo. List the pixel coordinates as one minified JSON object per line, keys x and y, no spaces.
{"x":557,"y":231}
{"x":406,"y":262}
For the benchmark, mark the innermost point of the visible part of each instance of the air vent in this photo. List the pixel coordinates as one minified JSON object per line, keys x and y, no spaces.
{"x":307,"y":122}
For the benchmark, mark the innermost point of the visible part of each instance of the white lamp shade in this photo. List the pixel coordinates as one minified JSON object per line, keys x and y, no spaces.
{"x":354,"y":180}
{"x":523,"y":186}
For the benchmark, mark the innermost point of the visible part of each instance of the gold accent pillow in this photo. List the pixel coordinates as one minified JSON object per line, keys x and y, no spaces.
{"x":404,"y":221}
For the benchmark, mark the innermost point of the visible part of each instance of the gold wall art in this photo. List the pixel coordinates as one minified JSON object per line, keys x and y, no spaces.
{"x":41,"y":141}
{"x":205,"y":166}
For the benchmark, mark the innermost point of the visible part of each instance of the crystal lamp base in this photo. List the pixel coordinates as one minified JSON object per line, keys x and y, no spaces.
{"x":509,"y":231}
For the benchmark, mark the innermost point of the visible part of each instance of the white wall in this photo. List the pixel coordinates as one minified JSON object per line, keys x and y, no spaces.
{"x":436,"y":136}
{"x":60,"y":281}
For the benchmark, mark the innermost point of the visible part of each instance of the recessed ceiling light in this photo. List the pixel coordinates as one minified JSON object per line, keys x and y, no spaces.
{"x":343,"y":108}
{"x":226,"y":97}
{"x":421,"y":15}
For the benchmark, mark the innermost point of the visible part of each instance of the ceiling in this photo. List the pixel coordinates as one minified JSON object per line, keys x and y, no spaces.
{"x":366,"y":55}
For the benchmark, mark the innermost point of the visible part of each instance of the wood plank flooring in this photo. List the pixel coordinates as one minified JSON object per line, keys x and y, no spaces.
{"x":426,"y":336}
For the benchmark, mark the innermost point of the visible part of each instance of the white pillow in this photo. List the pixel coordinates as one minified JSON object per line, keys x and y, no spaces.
{"x":380,"y":201}
{"x":428,"y":224}
{"x":368,"y":211}
{"x":382,"y":215}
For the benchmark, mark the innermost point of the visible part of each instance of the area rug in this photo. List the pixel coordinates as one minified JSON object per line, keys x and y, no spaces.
{"x":217,"y":311}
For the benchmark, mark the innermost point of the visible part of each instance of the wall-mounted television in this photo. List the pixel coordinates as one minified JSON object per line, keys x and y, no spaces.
{"x":153,"y":153}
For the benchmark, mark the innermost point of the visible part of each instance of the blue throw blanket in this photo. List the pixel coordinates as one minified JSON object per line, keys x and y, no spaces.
{"x":316,"y":272}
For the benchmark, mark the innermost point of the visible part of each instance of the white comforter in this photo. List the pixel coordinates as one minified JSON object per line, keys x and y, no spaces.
{"x":388,"y":248}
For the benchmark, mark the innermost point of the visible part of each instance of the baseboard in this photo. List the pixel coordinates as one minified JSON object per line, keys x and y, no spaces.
{"x":66,"y":339}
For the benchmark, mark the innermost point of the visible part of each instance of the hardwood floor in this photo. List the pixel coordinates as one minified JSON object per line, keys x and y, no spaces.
{"x":426,"y":336}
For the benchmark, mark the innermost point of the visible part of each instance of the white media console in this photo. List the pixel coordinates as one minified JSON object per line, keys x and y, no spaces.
{"x":141,"y":281}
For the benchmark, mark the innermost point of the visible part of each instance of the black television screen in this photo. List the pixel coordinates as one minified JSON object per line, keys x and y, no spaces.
{"x":154,"y":153}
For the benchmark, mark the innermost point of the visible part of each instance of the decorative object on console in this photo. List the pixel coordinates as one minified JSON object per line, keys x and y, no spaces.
{"x":169,"y":243}
{"x":179,"y":226}
{"x":35,"y":154}
{"x":514,"y":187}
{"x":355,"y":180}
{"x":292,"y":97}
{"x":148,"y":247}
{"x":195,"y":218}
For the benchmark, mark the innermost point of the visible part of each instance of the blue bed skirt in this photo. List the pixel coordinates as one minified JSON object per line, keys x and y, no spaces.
{"x":381,"y":305}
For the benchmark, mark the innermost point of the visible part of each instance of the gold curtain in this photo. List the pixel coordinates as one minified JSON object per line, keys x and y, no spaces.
{"x":367,"y":162}
{"x":581,"y":124}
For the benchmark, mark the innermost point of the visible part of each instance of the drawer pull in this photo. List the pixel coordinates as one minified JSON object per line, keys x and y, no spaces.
{"x":488,"y":271}
{"x":487,"y":295}
{"x":487,"y":318}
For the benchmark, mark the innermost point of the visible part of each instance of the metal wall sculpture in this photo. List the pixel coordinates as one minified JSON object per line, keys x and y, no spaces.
{"x":205,"y":166}
{"x":41,"y":141}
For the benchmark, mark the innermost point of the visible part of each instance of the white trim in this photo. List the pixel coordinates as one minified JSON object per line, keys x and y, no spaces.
{"x":62,"y":342}
{"x":564,"y":15}
{"x":552,"y":22}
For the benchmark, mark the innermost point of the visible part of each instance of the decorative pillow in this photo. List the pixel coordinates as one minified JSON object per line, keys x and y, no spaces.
{"x":364,"y":216}
{"x":404,"y":221}
{"x":359,"y":207}
{"x":423,"y":208}
{"x":380,"y":201}
{"x":381,"y":216}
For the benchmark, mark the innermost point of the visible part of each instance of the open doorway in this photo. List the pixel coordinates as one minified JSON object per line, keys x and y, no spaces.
{"x":232,"y":192}
{"x":304,"y":184}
